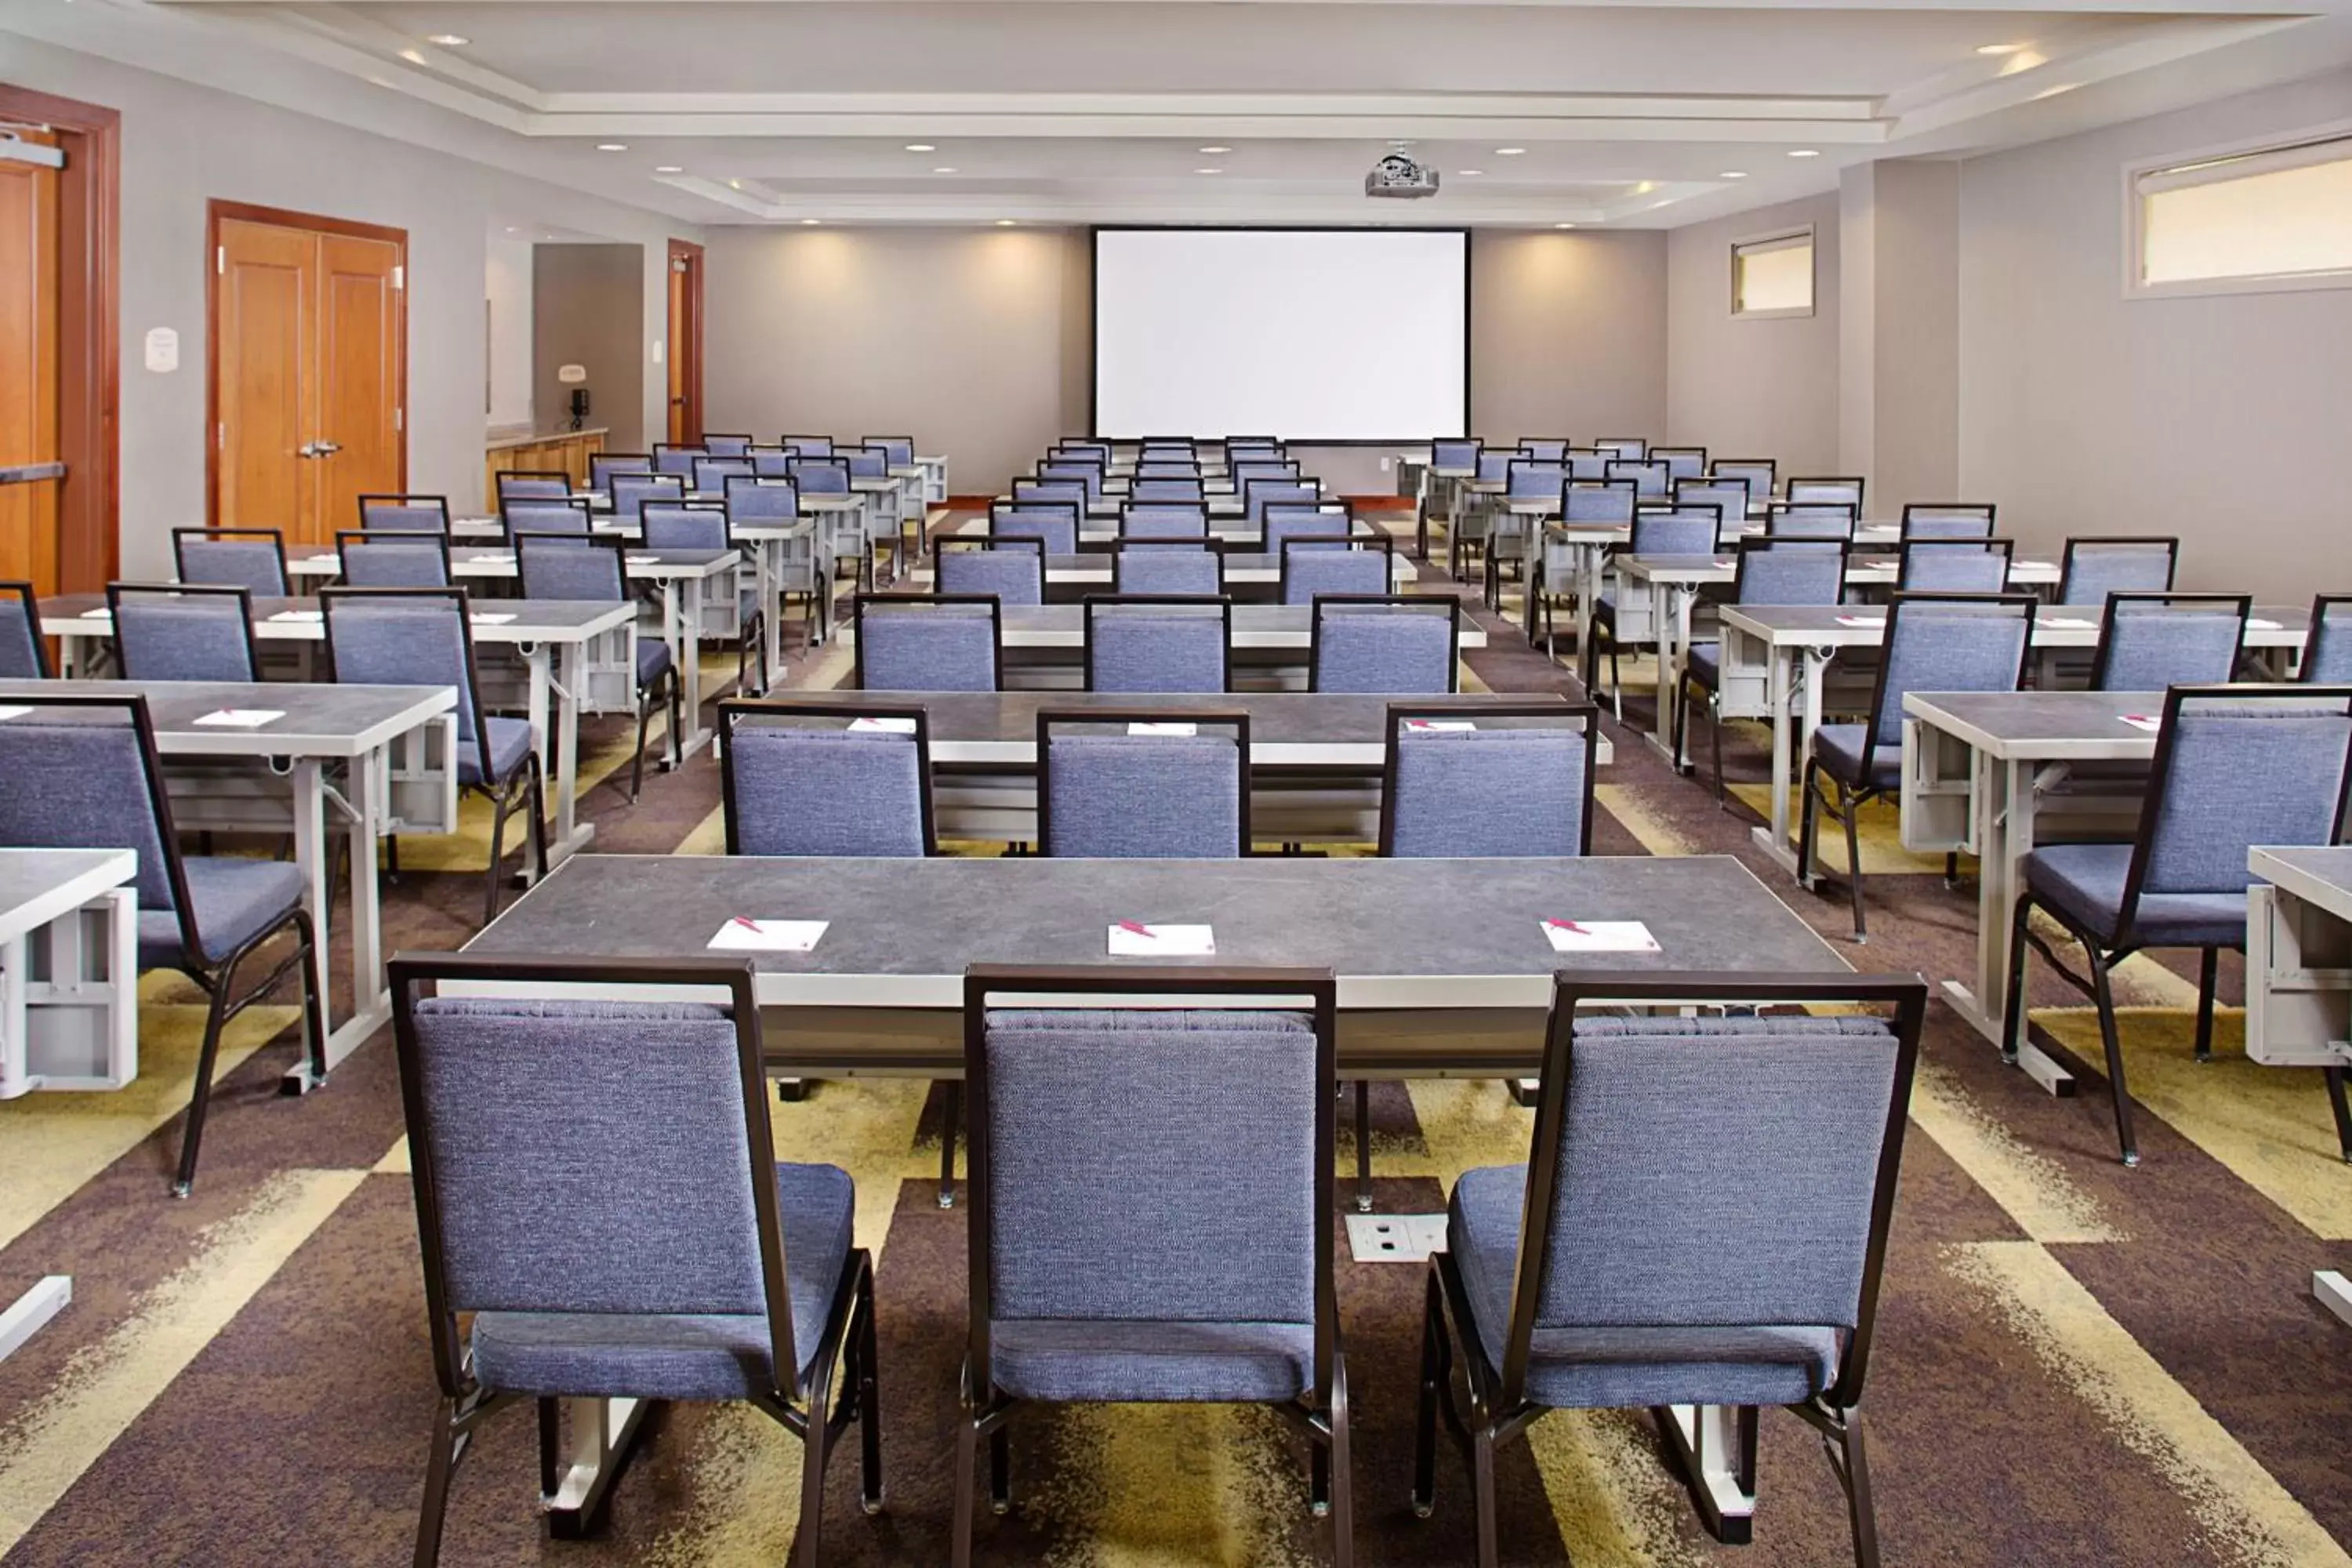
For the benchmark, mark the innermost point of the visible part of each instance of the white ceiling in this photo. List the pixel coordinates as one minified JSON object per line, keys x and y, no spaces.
{"x":1646,"y":114}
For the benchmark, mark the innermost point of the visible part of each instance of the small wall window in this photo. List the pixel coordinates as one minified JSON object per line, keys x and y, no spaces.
{"x":1773,"y":276}
{"x":2276,"y":216}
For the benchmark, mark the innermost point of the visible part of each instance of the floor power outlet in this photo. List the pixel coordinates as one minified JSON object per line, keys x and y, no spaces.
{"x":1395,"y":1237}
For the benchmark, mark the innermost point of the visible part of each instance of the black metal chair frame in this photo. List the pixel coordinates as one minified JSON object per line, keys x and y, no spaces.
{"x":1540,"y":590}
{"x":1602,"y":625}
{"x":2243,"y":604}
{"x":244,"y":597}
{"x":351,"y":536}
{"x":666,"y":685}
{"x":1986,"y":509}
{"x":24,"y":591}
{"x":216,"y":981}
{"x":521,"y":788}
{"x":1691,"y":682}
{"x":901,"y":602}
{"x":557,"y":475}
{"x":277,"y":543}
{"x":409,"y":502}
{"x":1905,"y":554}
{"x":2102,"y":961}
{"x":948,"y":544}
{"x":1126,"y":544}
{"x":998,"y":509}
{"x":1421,"y":604}
{"x":1850,"y":797}
{"x":2308,"y":662}
{"x":1096,"y":604}
{"x":849,"y":1335}
{"x":1857,"y":481}
{"x":1380,"y":543}
{"x":1499,"y":1410}
{"x":1321,"y":1416}
{"x":2170,"y":545}
{"x":733,"y":711}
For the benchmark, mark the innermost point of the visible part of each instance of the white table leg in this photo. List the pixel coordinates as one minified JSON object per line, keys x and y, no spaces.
{"x":313,"y":854}
{"x":1774,"y":839}
{"x":682,"y":601}
{"x":770,"y":560}
{"x":32,"y":1309}
{"x":571,"y":834}
{"x":2004,"y":832}
{"x":2331,"y":1289}
{"x":1670,"y":619}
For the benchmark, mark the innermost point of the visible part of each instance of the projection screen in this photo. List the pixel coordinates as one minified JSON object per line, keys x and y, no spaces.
{"x":1331,"y":335}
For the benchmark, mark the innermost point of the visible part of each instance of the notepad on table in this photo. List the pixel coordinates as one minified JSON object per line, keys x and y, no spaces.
{"x":1438,"y":725}
{"x":300,"y":617}
{"x":14,"y":710}
{"x":645,"y":559}
{"x":2259,"y":625}
{"x":1873,"y":621}
{"x":100,"y":614}
{"x":2142,"y":721}
{"x":1133,"y":939}
{"x":1176,"y":728}
{"x":873,"y":726}
{"x":1600,"y":936}
{"x":744,"y":934}
{"x":2069,"y":624}
{"x":492,"y":617}
{"x":241,"y":718}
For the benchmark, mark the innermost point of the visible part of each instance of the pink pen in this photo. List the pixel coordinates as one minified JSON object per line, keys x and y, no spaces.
{"x":1138,"y":930}
{"x":752,"y":926}
{"x":1569,"y":926}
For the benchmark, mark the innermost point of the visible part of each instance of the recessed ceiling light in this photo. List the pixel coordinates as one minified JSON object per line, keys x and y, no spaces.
{"x":1733,"y":174}
{"x":2054,"y":91}
{"x":668,"y":169}
{"x":1563,"y":225}
{"x":512,"y":229}
{"x":1804,"y":152}
{"x":612,"y":146}
{"x":920,"y":147}
{"x":1208,"y":171}
{"x":1005,"y":223}
{"x":1643,"y":187}
{"x":449,"y":40}
{"x":1472,"y":174}
{"x":810,"y":222}
{"x":944,"y":169}
{"x":1508,"y":152}
{"x":412,"y":57}
{"x":1999,"y":49}
{"x":1213,"y":152}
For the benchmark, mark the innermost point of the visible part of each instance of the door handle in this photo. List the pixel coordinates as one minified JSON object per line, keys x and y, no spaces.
{"x":329,"y":448}
{"x":30,"y":473}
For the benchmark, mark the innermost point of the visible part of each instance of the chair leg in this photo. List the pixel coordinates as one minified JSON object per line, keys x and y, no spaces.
{"x":638,"y":763}
{"x":440,"y":1463}
{"x":1951,"y":868}
{"x":1343,"y":1479}
{"x":1849,"y":806}
{"x":1715,"y":743}
{"x":498,"y":853}
{"x":1482,"y":1483}
{"x":2013,"y":1023}
{"x":2209,"y":976}
{"x":1861,"y":1511}
{"x":869,"y":1398}
{"x":1425,"y":1427}
{"x":967,"y":1461}
{"x":2336,"y":1101}
{"x":2108,"y":1037}
{"x":1809,"y":808}
{"x":677,"y":718}
{"x":808,"y":1535}
{"x":950,"y":1117}
{"x":1363,"y":1147}
{"x":392,"y":856}
{"x":1000,"y":1472}
{"x":314,"y":1005}
{"x":1616,"y":683}
{"x":539,"y":815}
{"x":200,"y":1098}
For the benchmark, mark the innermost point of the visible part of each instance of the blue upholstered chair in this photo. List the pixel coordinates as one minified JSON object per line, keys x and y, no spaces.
{"x":597,"y":1187}
{"x":1729,"y":497}
{"x":2235,"y":766}
{"x":1071,"y":493}
{"x":929,"y":642}
{"x":1192,"y":1266}
{"x":1596,"y":502}
{"x":1106,"y":794}
{"x":1616,"y":1271}
{"x":1544,"y":449}
{"x":392,"y":512}
{"x":182,"y":631}
{"x":1935,"y":642}
{"x":2326,"y":647}
{"x":393,"y":560}
{"x":630,"y":493}
{"x":1053,"y":522}
{"x":1687,"y":529}
{"x":804,"y":558}
{"x":727,"y":445}
{"x":253,"y":559}
{"x":561,"y":567}
{"x":1811,"y":520}
{"x":678,"y":462}
{"x":1164,"y":519}
{"x":1285,"y":520}
{"x":603,"y":466}
{"x":1455,"y":455}
{"x":1589,"y":466}
{"x":772,"y":462}
{"x":2151,"y":641}
{"x":82,"y":774}
{"x":1316,"y":564}
{"x":1947,"y":520}
{"x":1164,"y":486}
{"x":1841,"y":491}
{"x":1651,"y":481}
{"x":2092,"y":568}
{"x":1622,"y":448}
{"x":1156,"y":643}
{"x":1259,"y":494}
{"x":1756,"y":473}
{"x":22,"y":655}
{"x":420,"y":637}
{"x":898,"y":449}
{"x":798,"y":780}
{"x":1769,"y":571}
{"x":761,"y":499}
{"x":1012,"y":571}
{"x":522,"y":484}
{"x":1494,"y":465}
{"x":1682,"y":462}
{"x":865,"y":462}
{"x":807,"y":445}
{"x":819,"y":476}
{"x":711,"y":473}
{"x":1948,"y":563}
{"x":543,"y":515}
{"x":1067,"y":469}
{"x":1403,"y":645}
{"x":1516,"y":784}
{"x":1535,"y":479}
{"x":1168,"y":567}
{"x":684,"y":527}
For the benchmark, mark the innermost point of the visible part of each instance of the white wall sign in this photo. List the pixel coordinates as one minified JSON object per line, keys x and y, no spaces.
{"x":657,"y":351}
{"x":162,"y":350}
{"x":572,"y":374}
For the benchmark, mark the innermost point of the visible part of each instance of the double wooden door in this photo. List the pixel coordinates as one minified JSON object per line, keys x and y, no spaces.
{"x":32,"y":463}
{"x":308,"y":349}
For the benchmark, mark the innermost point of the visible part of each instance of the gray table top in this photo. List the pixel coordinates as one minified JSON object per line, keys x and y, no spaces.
{"x":36,"y":886}
{"x":1862,"y":568}
{"x":321,"y":720}
{"x":487,"y":560}
{"x":2054,"y":626}
{"x":1239,"y":566}
{"x":1399,"y":933}
{"x":2043,"y":726}
{"x":2317,"y":876}
{"x":493,"y":620}
{"x":1254,"y":626}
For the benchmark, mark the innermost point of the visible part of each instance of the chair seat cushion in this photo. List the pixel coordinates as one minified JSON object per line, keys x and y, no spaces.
{"x":1614,"y":1367}
{"x":1133,"y":1362}
{"x":681,"y":1357}
{"x":1703,"y":664}
{"x":510,"y":744}
{"x":1839,"y":747}
{"x":233,"y":900}
{"x":653,"y":658}
{"x":2086,"y":882}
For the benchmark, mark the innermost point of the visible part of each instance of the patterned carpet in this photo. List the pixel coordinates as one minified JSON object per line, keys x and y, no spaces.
{"x":2077,"y":1363}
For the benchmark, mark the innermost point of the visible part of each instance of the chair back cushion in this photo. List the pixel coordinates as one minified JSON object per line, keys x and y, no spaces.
{"x":407,"y":642}
{"x":195,"y":636}
{"x":20,"y":649}
{"x":1144,"y":797}
{"x":2151,"y":644}
{"x":2096,"y":568}
{"x":1163,"y":648}
{"x":1056,"y":525}
{"x":551,"y":569}
{"x":1382,"y":649}
{"x":799,"y":791}
{"x":1958,"y":565}
{"x":1013,"y":574}
{"x":931,"y":648}
{"x":1168,"y":521}
{"x":1782,"y":574}
{"x":249,"y":563}
{"x":670,"y":525}
{"x":1936,"y":646}
{"x":394,"y":512}
{"x":750,"y":500}
{"x":2327,"y":656}
{"x":1309,"y":571}
{"x":1503,"y":793}
{"x":1678,"y":532}
{"x":537,"y":516}
{"x":76,"y":780}
{"x":1598,"y":503}
{"x":1169,"y":570}
{"x":2242,"y":774}
{"x":395,"y":564}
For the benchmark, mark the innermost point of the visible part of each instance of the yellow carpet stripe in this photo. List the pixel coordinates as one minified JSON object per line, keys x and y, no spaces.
{"x":2035,"y":1191}
{"x":2248,"y":1517}
{"x":107,"y":1386}
{"x":1651,"y":831}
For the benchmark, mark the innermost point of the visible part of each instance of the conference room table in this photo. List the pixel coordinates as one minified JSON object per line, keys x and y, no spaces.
{"x":1775,"y":660}
{"x":1674,"y":584}
{"x":1250,"y":576}
{"x":357,"y":731}
{"x":1040,"y":639}
{"x":577,"y":655}
{"x":77,"y":1026}
{"x":1225,"y":533}
{"x":1316,"y":758}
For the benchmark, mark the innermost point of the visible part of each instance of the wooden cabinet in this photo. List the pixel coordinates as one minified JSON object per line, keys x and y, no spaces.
{"x":563,"y":452}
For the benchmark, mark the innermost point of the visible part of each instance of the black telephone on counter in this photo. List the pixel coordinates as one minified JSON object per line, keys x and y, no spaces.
{"x":579,"y":408}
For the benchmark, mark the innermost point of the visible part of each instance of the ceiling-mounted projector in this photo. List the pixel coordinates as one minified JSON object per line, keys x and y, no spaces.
{"x":1398,"y":175}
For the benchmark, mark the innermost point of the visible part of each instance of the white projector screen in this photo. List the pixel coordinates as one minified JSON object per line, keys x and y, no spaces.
{"x":1305,"y":334}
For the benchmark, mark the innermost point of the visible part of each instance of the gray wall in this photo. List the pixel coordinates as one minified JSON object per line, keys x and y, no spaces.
{"x":1753,"y":388}
{"x":587,"y":304}
{"x":1899,"y":323}
{"x":1568,"y":335}
{"x":183,"y":145}
{"x":2220,"y":418}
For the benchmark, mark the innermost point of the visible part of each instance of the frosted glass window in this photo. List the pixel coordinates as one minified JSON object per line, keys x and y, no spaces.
{"x":2283,"y":214}
{"x":1773,"y":277}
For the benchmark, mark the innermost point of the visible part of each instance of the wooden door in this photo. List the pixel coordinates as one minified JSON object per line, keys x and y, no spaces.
{"x":684,"y":354}
{"x":29,"y":370}
{"x":308,"y":370}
